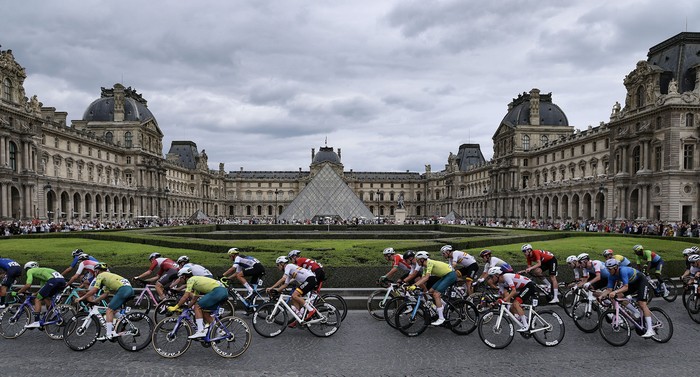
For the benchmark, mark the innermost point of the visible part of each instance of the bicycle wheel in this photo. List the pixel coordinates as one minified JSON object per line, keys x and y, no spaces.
{"x":81,"y":332}
{"x":135,"y":329}
{"x":238,"y":339}
{"x":495,"y":335}
{"x":376,"y":304}
{"x":331,"y":322}
{"x":553,"y":326}
{"x":462,"y":317}
{"x":336,"y":301}
{"x":390,"y":310}
{"x":226,"y":309}
{"x":161,"y":310}
{"x":568,"y":300}
{"x":170,"y":338}
{"x":411,"y":324}
{"x":616,"y":332}
{"x":662,"y":324}
{"x":270,"y":321}
{"x":692,"y":305}
{"x":141,"y":303}
{"x":58,"y":317}
{"x":13,"y":319}
{"x":586,"y":320}
{"x":669,"y":289}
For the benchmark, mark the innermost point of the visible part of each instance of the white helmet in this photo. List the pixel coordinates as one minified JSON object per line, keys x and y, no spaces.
{"x":294,"y":253}
{"x":526,"y":247}
{"x":582,"y":257}
{"x":446,"y":249}
{"x":388,"y":251}
{"x":183,"y":259}
{"x":610,"y":263}
{"x":153,"y":255}
{"x":495,"y":271}
{"x":233,"y":251}
{"x":184,"y":271}
{"x":693,"y":258}
{"x":571,"y":259}
{"x":31,"y":264}
{"x":688,"y":251}
{"x":282,"y":259}
{"x":422,"y":255}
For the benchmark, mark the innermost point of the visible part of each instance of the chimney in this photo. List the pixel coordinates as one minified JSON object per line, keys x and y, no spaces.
{"x":118,"y":103}
{"x":535,"y":107}
{"x":339,"y":154}
{"x":313,"y":154}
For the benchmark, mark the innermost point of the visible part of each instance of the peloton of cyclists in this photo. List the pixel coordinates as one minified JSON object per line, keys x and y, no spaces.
{"x":543,"y":261}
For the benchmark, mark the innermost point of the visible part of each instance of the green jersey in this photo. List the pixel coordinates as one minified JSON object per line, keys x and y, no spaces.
{"x":437,"y":268}
{"x":42,"y":275}
{"x":110,"y":282}
{"x":201,"y":284}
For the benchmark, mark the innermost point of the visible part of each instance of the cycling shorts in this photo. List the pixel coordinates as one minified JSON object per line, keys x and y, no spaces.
{"x":11,"y":276}
{"x":255,"y":271}
{"x":639,"y":289}
{"x":51,"y":288}
{"x":525,"y":295}
{"x":656,"y":266}
{"x":445,"y":282}
{"x":123,"y":294}
{"x":307,"y":285}
{"x":213,"y":299}
{"x":600,"y":284}
{"x":468,"y":272}
{"x":168,"y":277}
{"x":551,"y":266}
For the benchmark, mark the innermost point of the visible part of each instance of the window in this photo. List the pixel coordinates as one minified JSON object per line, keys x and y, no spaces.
{"x":607,"y":143}
{"x":525,"y":161}
{"x":68,"y":146}
{"x":128,"y":159}
{"x":55,"y":142}
{"x":526,"y":143}
{"x":659,"y":123}
{"x":583,"y":149}
{"x":554,"y":156}
{"x":127,"y":139}
{"x":640,"y":97}
{"x":90,"y":151}
{"x":689,"y":120}
{"x":657,"y":159}
{"x":109,"y":137}
{"x":572,"y":152}
{"x":13,"y":157}
{"x":562,"y":154}
{"x":99,"y":153}
{"x":595,"y":146}
{"x":636,"y":158}
{"x":80,"y":149}
{"x":544,"y":139}
{"x":688,"y":152}
{"x":43,"y":139}
{"x":418,"y":196}
{"x":545,"y":159}
{"x":7,"y":90}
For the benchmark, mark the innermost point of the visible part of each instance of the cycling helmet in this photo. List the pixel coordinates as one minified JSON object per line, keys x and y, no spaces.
{"x":282,"y":259}
{"x":294,"y":253}
{"x":688,"y":251}
{"x":582,"y":257}
{"x":153,"y":255}
{"x":695,"y":249}
{"x":693,"y":258}
{"x":610,"y":263}
{"x":495,"y":271}
{"x":422,"y":255}
{"x":83,"y":257}
{"x":446,"y":249}
{"x":101,"y":266}
{"x":183,"y":259}
{"x":526,"y":247}
{"x":485,"y":252}
{"x":607,"y":253}
{"x":184,"y":271}
{"x":637,"y":248}
{"x":409,"y":254}
{"x":388,"y":251}
{"x":77,"y":252}
{"x":571,"y":259}
{"x":233,"y":251}
{"x":31,"y":264}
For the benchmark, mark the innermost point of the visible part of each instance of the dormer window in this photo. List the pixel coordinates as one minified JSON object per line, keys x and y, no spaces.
{"x":7,"y":90}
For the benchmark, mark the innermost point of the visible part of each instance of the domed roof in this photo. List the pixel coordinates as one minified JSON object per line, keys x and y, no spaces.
{"x":550,"y":113}
{"x":326,"y":154}
{"x":102,"y":109}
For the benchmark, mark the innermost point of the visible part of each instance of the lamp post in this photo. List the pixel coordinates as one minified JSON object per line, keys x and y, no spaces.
{"x":276,"y":210}
{"x":167,"y":192}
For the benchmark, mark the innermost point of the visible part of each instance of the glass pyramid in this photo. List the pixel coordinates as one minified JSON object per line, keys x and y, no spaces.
{"x":327,"y":195}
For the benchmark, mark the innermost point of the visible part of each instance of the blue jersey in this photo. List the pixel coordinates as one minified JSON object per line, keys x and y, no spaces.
{"x":6,"y":264}
{"x":626,"y":275}
{"x":76,"y":261}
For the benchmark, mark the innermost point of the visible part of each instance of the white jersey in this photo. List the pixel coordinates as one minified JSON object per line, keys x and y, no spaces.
{"x":494,"y":262}
{"x":596,"y":268}
{"x":198,"y":270}
{"x":462,"y":258}
{"x":513,"y":281}
{"x":694,"y":270}
{"x":241,"y":263}
{"x":298,"y":273}
{"x":86,"y":266}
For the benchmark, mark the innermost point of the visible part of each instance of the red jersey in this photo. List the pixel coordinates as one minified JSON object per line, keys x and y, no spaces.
{"x":165,"y":264}
{"x":539,"y":256}
{"x":308,"y":264}
{"x":398,"y":262}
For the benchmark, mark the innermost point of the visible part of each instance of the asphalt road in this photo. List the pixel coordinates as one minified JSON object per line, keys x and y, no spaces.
{"x":366,"y":347}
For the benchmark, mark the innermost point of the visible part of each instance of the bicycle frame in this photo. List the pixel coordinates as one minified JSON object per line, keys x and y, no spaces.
{"x":147,"y":293}
{"x":282,"y":304}
{"x":621,"y":311}
{"x":187,"y":315}
{"x":98,"y":310}
{"x":73,"y":294}
{"x":531,"y":313}
{"x":42,"y":319}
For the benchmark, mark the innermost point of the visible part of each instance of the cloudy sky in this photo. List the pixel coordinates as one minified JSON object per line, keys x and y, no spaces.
{"x":395,"y":84}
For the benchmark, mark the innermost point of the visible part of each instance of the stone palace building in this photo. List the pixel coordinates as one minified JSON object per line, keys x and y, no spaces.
{"x":109,"y":165}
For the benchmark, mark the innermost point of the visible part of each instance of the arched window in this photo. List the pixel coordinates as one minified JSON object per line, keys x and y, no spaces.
{"x":544,"y":139}
{"x":109,"y":137}
{"x":13,"y":157}
{"x":127,"y":139}
{"x":526,"y":142}
{"x":636,"y":154}
{"x":640,"y":96}
{"x":689,"y":120}
{"x":7,"y":90}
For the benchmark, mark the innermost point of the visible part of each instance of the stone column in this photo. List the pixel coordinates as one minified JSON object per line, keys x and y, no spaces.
{"x":3,"y":150}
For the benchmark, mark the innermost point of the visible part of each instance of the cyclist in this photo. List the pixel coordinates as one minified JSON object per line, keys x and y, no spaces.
{"x":75,"y":261}
{"x":595,"y":268}
{"x":437,"y":277}
{"x":491,"y":261}
{"x":167,"y":272}
{"x":694,"y":270}
{"x":544,"y":261}
{"x":12,"y":271}
{"x":410,"y":258}
{"x":86,"y":270}
{"x":244,"y":266}
{"x":53,"y":282}
{"x":515,"y":287}
{"x":197,"y":270}
{"x":306,"y":280}
{"x":633,"y":283}
{"x":624,"y":262}
{"x":686,"y":254}
{"x":572,"y":261}
{"x":464,"y":265}
{"x":650,"y":263}
{"x":309,"y":264}
{"x":398,"y":264}
{"x":212,"y":294}
{"x":109,"y":282}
